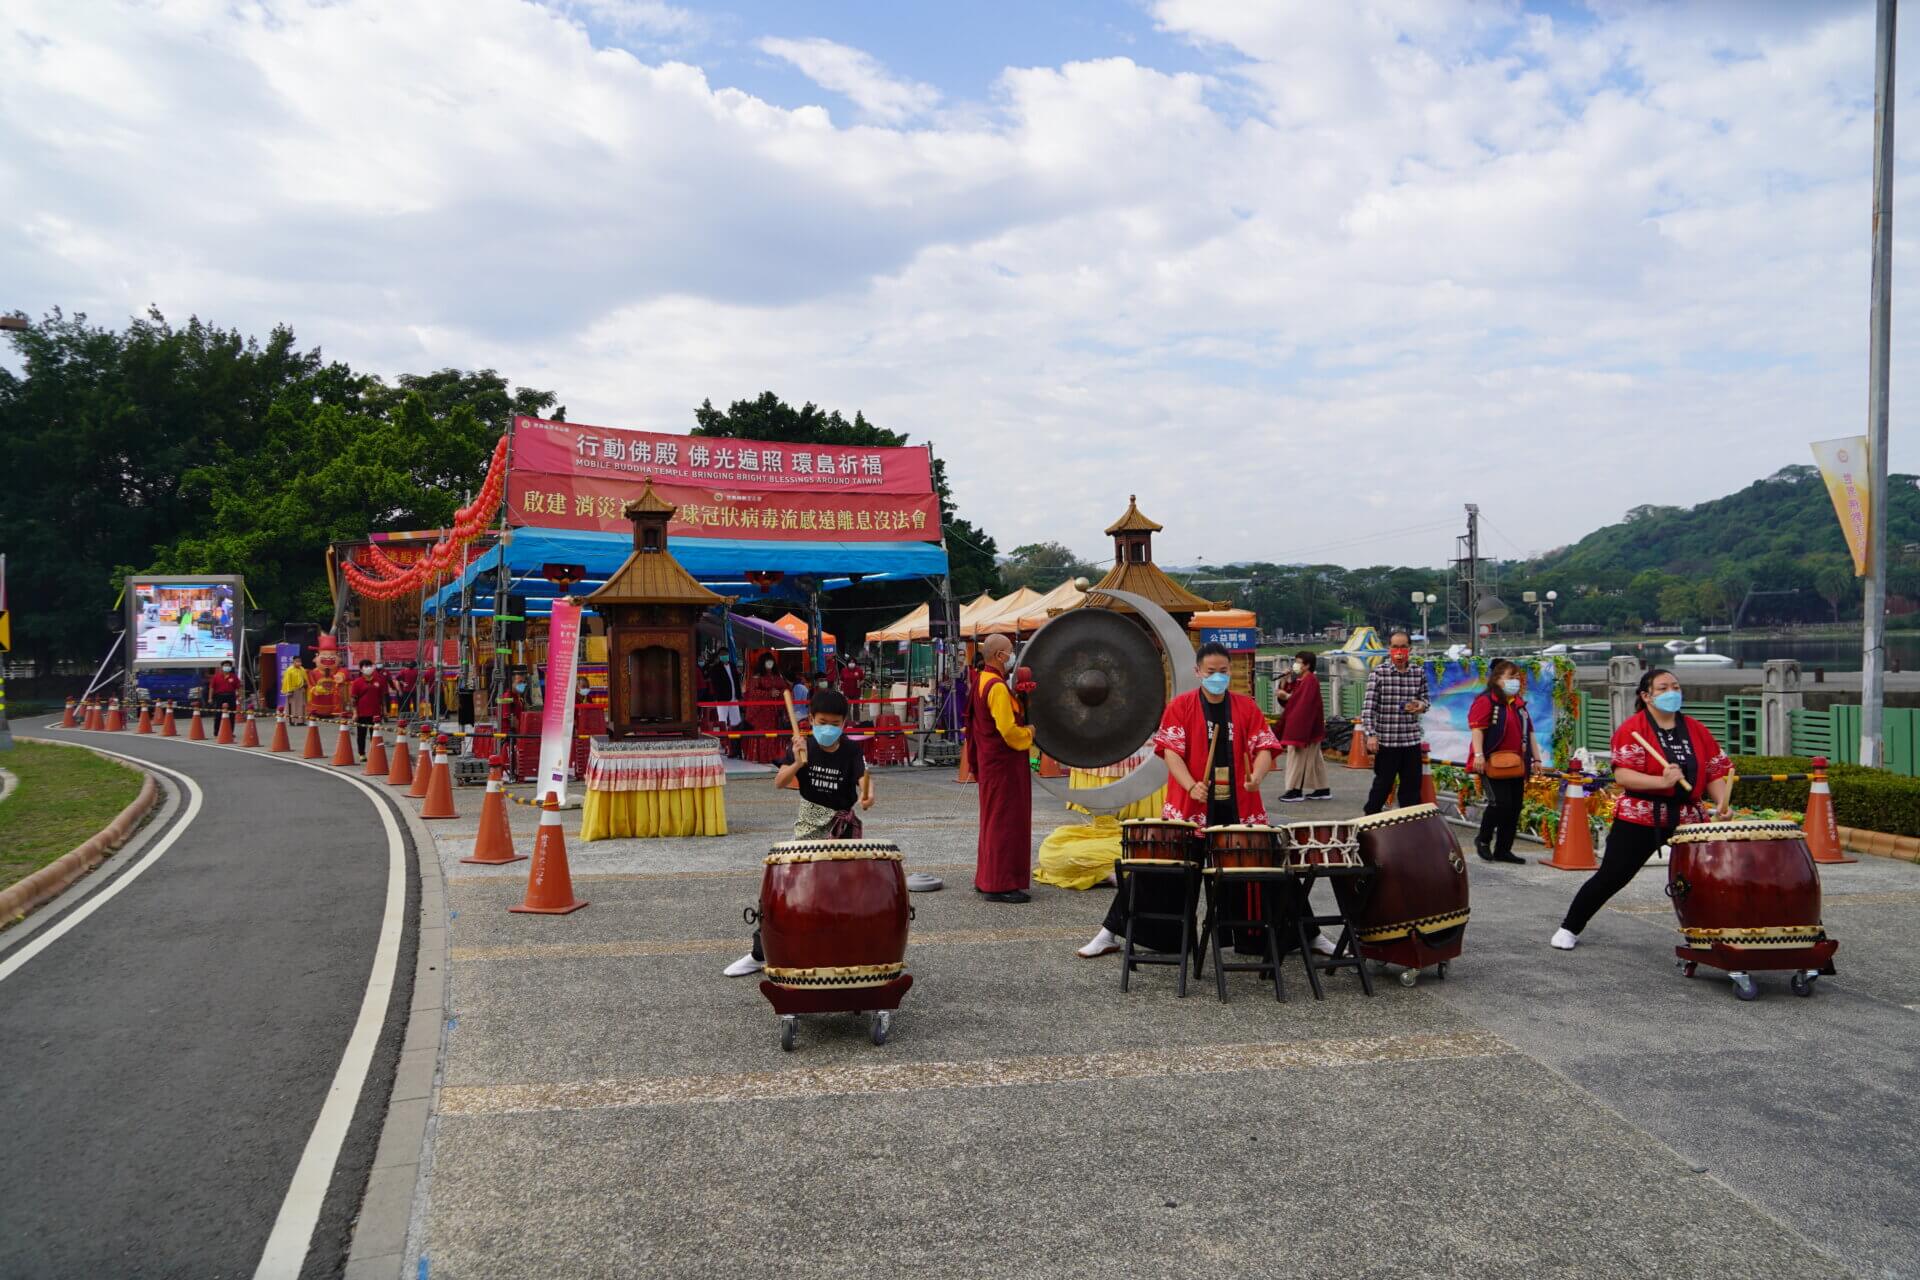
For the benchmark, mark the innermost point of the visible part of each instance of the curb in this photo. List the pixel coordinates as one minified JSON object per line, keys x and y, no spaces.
{"x":1880,"y":845}
{"x":51,"y":880}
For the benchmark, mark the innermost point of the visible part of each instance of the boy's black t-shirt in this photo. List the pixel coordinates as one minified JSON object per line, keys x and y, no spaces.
{"x":831,"y":778}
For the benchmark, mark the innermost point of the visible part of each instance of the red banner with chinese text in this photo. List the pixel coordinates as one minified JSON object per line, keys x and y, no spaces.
{"x":583,"y":502}
{"x":572,"y":476}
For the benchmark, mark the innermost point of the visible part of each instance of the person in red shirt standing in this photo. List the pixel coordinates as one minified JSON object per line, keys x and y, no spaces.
{"x":223,"y":689}
{"x":849,"y":680}
{"x":405,"y":684}
{"x":369,"y":694}
{"x":1503,"y":742}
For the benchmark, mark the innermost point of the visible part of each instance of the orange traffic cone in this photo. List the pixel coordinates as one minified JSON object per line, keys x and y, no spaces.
{"x":1573,"y":849}
{"x":311,"y":748}
{"x":401,"y":774}
{"x":68,"y":718}
{"x":116,"y":718}
{"x":965,"y":773}
{"x":1050,"y":768}
{"x":250,"y":737}
{"x":91,"y":720}
{"x":439,"y":802}
{"x":343,"y":746}
{"x":196,"y":732}
{"x":1428,"y":793}
{"x":167,"y":727}
{"x":224,"y":733}
{"x":1358,"y":756}
{"x":280,"y":742}
{"x":376,"y":755}
{"x":146,"y":719}
{"x":1823,"y":833}
{"x":549,"y":884}
{"x":422,"y":776}
{"x":493,"y":846}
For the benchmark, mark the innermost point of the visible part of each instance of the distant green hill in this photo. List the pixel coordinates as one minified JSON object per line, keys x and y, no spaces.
{"x":1776,"y":534}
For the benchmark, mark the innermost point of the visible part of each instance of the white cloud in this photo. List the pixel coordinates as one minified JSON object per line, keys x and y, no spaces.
{"x":856,"y":76}
{"x":1386,"y":259}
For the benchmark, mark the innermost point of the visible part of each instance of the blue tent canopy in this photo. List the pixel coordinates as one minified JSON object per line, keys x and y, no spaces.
{"x":721,"y":563}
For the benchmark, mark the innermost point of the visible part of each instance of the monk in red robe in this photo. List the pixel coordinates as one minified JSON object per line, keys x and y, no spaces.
{"x":998,"y":746}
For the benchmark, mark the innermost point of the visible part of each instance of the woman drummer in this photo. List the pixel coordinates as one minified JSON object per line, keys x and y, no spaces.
{"x":1665,"y":762}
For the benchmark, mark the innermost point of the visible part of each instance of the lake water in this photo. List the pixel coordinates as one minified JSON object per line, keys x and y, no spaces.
{"x":1836,"y":653}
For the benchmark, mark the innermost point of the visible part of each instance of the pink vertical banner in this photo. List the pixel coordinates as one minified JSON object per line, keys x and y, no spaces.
{"x":556,"y":717}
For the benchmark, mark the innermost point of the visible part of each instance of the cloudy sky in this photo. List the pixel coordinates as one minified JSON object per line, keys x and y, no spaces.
{"x":1307,"y":276}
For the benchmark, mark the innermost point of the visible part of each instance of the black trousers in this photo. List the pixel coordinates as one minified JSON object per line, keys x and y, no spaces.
{"x":362,"y":726}
{"x":1629,"y":845}
{"x":1501,"y":820}
{"x":1390,"y":763}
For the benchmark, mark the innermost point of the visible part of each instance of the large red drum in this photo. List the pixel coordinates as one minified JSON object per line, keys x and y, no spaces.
{"x":833,"y":914}
{"x":1159,"y":840}
{"x":1415,"y":912}
{"x":1748,"y":896}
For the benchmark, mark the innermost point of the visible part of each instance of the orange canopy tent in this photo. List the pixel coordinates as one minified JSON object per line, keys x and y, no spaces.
{"x":798,"y":629}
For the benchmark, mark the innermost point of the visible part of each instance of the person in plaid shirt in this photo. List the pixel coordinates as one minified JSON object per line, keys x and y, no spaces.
{"x":1397,"y":696}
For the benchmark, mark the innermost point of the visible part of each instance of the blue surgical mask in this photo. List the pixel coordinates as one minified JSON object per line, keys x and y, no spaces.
{"x":1216,"y":684}
{"x":1669,"y":702}
{"x":1509,"y":687}
{"x":826,"y":734}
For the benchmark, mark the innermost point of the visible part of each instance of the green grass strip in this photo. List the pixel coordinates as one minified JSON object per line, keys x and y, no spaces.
{"x":64,"y":796}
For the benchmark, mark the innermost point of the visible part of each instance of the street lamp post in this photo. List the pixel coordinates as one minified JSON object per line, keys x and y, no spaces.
{"x":1540,"y":605}
{"x":1424,"y":602}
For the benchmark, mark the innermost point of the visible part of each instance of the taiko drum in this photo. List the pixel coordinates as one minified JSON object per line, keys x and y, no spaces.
{"x":833,"y":914}
{"x":1416,"y":911}
{"x":1159,"y":840}
{"x":1242,"y":846}
{"x":1747,"y":888}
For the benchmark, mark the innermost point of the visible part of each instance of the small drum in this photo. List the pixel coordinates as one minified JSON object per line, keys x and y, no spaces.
{"x":1159,"y":840}
{"x":1242,"y":847}
{"x":1748,"y":897}
{"x":1416,"y":914}
{"x":833,"y":914}
{"x":1320,"y":844}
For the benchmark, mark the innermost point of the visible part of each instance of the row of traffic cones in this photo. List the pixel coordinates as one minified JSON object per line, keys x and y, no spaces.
{"x":549,"y":883}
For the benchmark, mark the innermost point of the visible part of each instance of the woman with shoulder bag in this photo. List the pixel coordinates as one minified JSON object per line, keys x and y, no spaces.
{"x":1504,"y":752}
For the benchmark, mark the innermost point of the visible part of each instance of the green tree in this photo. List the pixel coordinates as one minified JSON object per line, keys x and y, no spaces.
{"x":1677,"y":602}
{"x":1834,"y":581}
{"x":971,"y":553}
{"x":1043,"y":566}
{"x":1708,"y":599}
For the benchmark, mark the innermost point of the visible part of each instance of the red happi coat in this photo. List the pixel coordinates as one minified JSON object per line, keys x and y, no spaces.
{"x":1183,"y":731}
{"x":1637,"y":806}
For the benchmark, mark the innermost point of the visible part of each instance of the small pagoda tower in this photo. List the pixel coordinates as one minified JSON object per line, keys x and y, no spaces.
{"x":1134,"y":570}
{"x":651,"y":606}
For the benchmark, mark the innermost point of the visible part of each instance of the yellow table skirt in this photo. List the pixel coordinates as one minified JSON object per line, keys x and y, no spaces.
{"x":689,"y":811}
{"x":1081,"y":780}
{"x":1080,"y":856}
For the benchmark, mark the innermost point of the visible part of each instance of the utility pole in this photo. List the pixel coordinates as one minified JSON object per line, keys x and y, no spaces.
{"x":1873,"y":655}
{"x":1469,"y":577}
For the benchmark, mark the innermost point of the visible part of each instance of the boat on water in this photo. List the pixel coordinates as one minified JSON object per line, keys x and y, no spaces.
{"x":1702,"y":660}
{"x":1681,"y":646}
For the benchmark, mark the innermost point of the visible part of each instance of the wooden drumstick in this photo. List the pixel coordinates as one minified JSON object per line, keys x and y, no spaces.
{"x":1659,"y":759}
{"x":1213,"y":745}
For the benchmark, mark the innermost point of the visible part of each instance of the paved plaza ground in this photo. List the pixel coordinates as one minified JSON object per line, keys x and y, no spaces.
{"x":611,"y":1105}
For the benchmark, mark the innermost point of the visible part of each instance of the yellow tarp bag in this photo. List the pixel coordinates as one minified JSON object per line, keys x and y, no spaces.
{"x":1080,"y":856}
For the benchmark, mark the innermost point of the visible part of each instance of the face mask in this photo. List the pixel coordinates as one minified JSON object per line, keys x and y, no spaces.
{"x":520,"y":687}
{"x":1299,"y":668}
{"x":366,"y":673}
{"x":1509,"y":687}
{"x":1669,"y":702}
{"x":826,"y":734}
{"x":1216,"y":684}
{"x":1399,"y":654}
{"x":227,"y":670}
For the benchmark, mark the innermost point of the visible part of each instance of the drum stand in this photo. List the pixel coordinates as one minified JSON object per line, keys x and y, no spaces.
{"x":1346,"y":951}
{"x":1221,"y":886}
{"x":1130,"y":870}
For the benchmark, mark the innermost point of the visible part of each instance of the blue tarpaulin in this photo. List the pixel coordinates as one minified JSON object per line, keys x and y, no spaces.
{"x":718,"y":562}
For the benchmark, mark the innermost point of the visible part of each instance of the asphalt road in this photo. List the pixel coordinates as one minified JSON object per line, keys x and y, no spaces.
{"x":164,"y":1062}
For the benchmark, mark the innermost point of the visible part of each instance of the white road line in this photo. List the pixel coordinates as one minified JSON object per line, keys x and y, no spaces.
{"x":292,"y":1233}
{"x":60,"y":928}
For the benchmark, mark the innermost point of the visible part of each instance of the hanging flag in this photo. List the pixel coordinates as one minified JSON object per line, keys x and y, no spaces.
{"x":556,"y":720}
{"x":1843,"y":465}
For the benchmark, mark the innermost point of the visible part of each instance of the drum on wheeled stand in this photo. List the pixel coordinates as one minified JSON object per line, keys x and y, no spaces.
{"x":1415,"y":914}
{"x":1748,"y":898}
{"x":833,"y":919}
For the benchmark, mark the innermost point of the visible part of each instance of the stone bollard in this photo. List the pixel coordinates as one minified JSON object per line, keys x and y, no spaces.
{"x":1780,"y":697}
